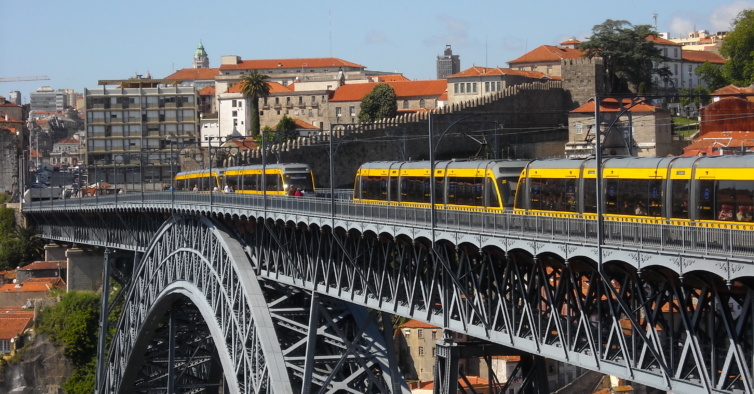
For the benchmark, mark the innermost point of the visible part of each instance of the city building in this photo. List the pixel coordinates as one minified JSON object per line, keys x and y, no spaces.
{"x":482,"y":81}
{"x":411,"y":96}
{"x":448,"y":63}
{"x":198,"y":77}
{"x":13,"y":110}
{"x":700,"y":40}
{"x":18,"y":294}
{"x":47,"y":99}
{"x":65,"y":152}
{"x":325,"y":73}
{"x":42,"y":269}
{"x":135,"y":125}
{"x":15,"y":97}
{"x":546,"y":59}
{"x":646,"y":128}
{"x":416,"y":350}
{"x":14,"y":321}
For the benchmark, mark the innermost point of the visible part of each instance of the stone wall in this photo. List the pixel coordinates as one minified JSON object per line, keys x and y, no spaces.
{"x":582,"y":79}
{"x":529,"y":121}
{"x":9,"y":151}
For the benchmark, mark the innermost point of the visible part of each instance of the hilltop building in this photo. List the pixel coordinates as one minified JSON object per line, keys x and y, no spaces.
{"x":201,"y":60}
{"x":546,"y":59}
{"x":448,"y":63}
{"x":700,"y":40}
{"x":476,"y":82}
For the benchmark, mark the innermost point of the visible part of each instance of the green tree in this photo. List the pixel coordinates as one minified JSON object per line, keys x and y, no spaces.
{"x":629,"y":57}
{"x":378,"y":104}
{"x":684,"y":99}
{"x":285,"y":130}
{"x":738,"y":48}
{"x":712,"y":75}
{"x":254,"y":86}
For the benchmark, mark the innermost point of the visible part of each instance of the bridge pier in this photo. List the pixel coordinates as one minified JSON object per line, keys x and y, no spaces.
{"x":55,"y":252}
{"x":85,"y":269}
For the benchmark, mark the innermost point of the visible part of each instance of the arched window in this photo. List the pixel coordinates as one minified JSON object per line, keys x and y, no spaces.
{"x":405,"y":104}
{"x":421,"y":103}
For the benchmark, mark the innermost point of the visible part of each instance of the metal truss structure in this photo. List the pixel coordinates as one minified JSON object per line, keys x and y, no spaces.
{"x":666,"y":307}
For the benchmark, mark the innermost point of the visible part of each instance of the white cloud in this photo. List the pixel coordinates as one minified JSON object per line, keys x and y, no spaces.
{"x":679,"y":27}
{"x":375,"y":37}
{"x":722,"y":16}
{"x":455,"y":33}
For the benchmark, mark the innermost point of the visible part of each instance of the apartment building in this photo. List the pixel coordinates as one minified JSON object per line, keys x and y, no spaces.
{"x":482,"y":81}
{"x":131,"y":127}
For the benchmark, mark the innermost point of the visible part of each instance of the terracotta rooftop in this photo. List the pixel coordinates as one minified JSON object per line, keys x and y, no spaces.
{"x":10,"y":119}
{"x":485,"y":71}
{"x":417,"y":324}
{"x":269,"y":64}
{"x":702,"y":56}
{"x":45,"y":265}
{"x":9,"y":274}
{"x":475,"y":381}
{"x":69,"y":141}
{"x":207,"y":91}
{"x":548,"y":53}
{"x":55,"y":281}
{"x":33,"y":153}
{"x":733,"y":89}
{"x":403,"y":90}
{"x":33,"y":285}
{"x":572,"y":41}
{"x":300,"y":124}
{"x":194,"y":73}
{"x":391,"y":78}
{"x":720,"y":139}
{"x":245,"y":144}
{"x":611,"y":105}
{"x":275,"y":87}
{"x":661,"y":41}
{"x":12,"y":326}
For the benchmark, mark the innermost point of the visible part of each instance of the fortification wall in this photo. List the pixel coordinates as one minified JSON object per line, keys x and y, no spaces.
{"x":582,"y":79}
{"x":529,"y":121}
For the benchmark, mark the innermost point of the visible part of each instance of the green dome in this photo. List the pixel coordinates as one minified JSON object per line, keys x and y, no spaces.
{"x":200,"y":50}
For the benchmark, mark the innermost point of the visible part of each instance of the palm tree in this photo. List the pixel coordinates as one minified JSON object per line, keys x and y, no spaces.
{"x":255,"y":87}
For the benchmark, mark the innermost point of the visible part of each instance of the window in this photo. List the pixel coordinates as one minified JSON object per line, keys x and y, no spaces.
{"x":434,"y":351}
{"x":338,"y":111}
{"x":235,"y":122}
{"x":486,"y":86}
{"x":468,"y":87}
{"x":277,"y":100}
{"x":352,"y":111}
{"x":311,"y":113}
{"x":579,"y":128}
{"x":314,"y":99}
{"x":420,"y":333}
{"x":455,"y":88}
{"x":675,"y":52}
{"x":434,"y":334}
{"x":300,"y":100}
{"x":287,"y":100}
{"x":421,"y":103}
{"x":233,"y":103}
{"x":421,"y":350}
{"x":498,"y":85}
{"x":235,"y":113}
{"x":463,"y":88}
{"x":405,"y":104}
{"x":474,"y":85}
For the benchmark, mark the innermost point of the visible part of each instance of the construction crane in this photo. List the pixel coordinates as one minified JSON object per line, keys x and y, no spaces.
{"x":21,"y":79}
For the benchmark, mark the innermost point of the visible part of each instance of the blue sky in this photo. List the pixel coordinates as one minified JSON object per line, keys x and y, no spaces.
{"x":77,"y":42}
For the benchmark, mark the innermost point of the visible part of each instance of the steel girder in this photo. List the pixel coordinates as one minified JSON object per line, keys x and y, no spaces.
{"x":687,"y":334}
{"x":193,"y":258}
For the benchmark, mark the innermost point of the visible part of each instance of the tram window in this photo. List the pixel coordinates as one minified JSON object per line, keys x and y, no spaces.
{"x":611,"y":195}
{"x":180,"y":184}
{"x":520,"y":192}
{"x":232,"y":181}
{"x":272,"y":182}
{"x":680,"y":199}
{"x":250,"y":182}
{"x":492,"y":198}
{"x":551,"y":194}
{"x":590,"y":195}
{"x":705,"y":200}
{"x":439,"y":190}
{"x":394,"y":188}
{"x":415,"y":191}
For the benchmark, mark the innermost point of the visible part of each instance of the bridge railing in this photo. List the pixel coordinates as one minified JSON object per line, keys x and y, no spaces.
{"x":655,"y":235}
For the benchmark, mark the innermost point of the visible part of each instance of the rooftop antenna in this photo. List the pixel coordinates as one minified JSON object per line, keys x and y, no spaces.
{"x":655,"y":18}
{"x":329,"y":17}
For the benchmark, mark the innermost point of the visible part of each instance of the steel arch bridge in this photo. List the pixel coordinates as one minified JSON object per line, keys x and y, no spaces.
{"x":665,"y":307}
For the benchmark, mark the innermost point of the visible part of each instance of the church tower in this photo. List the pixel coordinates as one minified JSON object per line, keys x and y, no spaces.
{"x":200,"y":57}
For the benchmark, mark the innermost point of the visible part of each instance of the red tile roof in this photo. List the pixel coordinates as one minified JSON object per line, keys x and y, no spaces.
{"x":33,"y":153}
{"x":13,"y":326}
{"x":403,"y":90}
{"x":207,"y":91}
{"x":390,"y":78}
{"x":275,"y":87}
{"x":10,"y":119}
{"x":300,"y":124}
{"x":194,"y":73}
{"x":732,"y":89}
{"x":45,"y":265}
{"x":245,"y":144}
{"x":69,"y":141}
{"x":661,"y":41}
{"x":443,"y":97}
{"x":33,"y":285}
{"x":9,"y":274}
{"x":484,"y":71}
{"x":572,"y":41}
{"x":269,"y":64}
{"x":548,"y":53}
{"x":611,"y":105}
{"x":729,"y":140}
{"x":702,"y":56}
{"x":417,"y":324}
{"x":475,"y":381}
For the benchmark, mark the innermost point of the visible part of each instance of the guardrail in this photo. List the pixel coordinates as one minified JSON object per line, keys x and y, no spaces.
{"x":658,"y":235}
